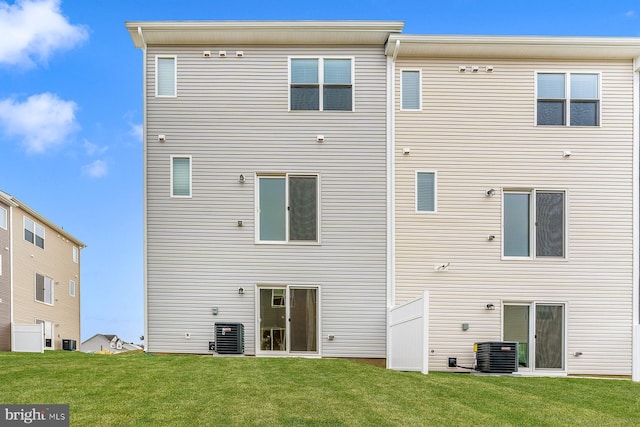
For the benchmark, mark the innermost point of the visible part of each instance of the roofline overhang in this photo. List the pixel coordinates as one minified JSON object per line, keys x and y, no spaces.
{"x":261,"y":32}
{"x":513,"y":47}
{"x":12,"y":201}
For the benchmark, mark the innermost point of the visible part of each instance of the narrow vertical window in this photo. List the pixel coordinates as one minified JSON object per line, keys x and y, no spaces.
{"x":3,"y":218}
{"x":551,"y":99}
{"x":72,"y":288}
{"x":337,"y":93}
{"x":549,"y":224}
{"x":425,"y":191}
{"x":74,"y":254}
{"x":516,"y":224}
{"x":180,"y":176}
{"x":166,"y":76}
{"x":410,"y":93}
{"x":44,"y":289}
{"x":584,"y":100}
{"x":303,"y":208}
{"x":273,"y":205}
{"x":305,"y":86}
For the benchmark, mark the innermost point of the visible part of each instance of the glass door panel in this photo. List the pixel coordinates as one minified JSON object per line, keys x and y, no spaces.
{"x":273,"y":319}
{"x":516,"y":328}
{"x":549,"y":336}
{"x":304,"y":319}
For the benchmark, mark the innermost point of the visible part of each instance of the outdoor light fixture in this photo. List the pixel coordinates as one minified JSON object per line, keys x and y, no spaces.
{"x":241,"y":179}
{"x":490,"y":306}
{"x":490,"y":192}
{"x":241,"y":290}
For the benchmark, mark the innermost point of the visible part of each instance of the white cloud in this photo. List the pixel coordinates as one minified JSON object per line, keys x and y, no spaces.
{"x":630,"y":13}
{"x":136,"y":131}
{"x":94,"y":149}
{"x":95,"y":169}
{"x":43,"y":121}
{"x":33,"y":29}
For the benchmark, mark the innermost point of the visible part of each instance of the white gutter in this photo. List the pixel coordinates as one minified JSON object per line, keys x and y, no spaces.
{"x":391,"y":244}
{"x":635,"y":369}
{"x":144,"y":187}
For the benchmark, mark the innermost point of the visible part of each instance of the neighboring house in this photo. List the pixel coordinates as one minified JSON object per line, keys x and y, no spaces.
{"x":111,"y":343}
{"x":515,"y":168}
{"x":302,"y":178}
{"x":39,"y":275}
{"x":265,"y":177}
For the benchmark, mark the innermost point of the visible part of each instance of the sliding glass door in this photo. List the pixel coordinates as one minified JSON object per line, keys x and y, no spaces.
{"x":288,"y":320}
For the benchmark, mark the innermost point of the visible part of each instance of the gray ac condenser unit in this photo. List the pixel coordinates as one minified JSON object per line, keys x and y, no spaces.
{"x":229,"y":338}
{"x":497,"y":357}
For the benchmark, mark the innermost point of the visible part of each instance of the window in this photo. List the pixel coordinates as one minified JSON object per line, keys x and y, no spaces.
{"x":166,"y":76}
{"x":33,"y":233}
{"x":287,"y":208}
{"x":425,"y":191}
{"x":181,"y":176}
{"x":568,"y":98}
{"x":411,"y":90}
{"x":44,"y":289}
{"x":74,"y":254}
{"x":534,"y":223}
{"x":3,"y":218}
{"x":72,"y":288}
{"x":323,"y":84}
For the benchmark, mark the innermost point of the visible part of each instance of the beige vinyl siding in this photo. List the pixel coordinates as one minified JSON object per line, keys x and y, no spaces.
{"x":478,"y":131}
{"x":54,"y":261}
{"x":5,"y":282}
{"x":232,"y":116}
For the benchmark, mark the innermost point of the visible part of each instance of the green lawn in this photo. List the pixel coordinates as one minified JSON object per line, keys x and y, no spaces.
{"x":147,"y":390}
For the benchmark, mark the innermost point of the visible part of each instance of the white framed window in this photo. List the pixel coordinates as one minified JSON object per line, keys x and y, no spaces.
{"x":181,"y":176}
{"x":321,"y":84}
{"x":567,"y":99}
{"x":72,"y":288}
{"x":411,"y":90}
{"x":44,"y":289}
{"x":33,"y":232}
{"x":287,"y":208}
{"x":166,"y":81}
{"x":534,"y":224}
{"x":74,"y":254}
{"x":3,"y":218}
{"x":426,"y":191}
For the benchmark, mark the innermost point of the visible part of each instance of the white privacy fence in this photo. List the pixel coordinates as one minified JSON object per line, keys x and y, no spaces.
{"x":636,"y":362}
{"x":409,"y":335}
{"x":27,"y":338}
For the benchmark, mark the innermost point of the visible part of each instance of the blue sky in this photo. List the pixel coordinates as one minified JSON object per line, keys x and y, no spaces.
{"x":71,"y":108}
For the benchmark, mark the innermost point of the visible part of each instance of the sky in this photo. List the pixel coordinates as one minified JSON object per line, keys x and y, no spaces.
{"x":71,"y":109}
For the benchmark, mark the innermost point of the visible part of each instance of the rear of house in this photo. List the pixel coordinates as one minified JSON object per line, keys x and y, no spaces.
{"x":39,"y":276}
{"x":265,"y":183}
{"x":514,"y":196}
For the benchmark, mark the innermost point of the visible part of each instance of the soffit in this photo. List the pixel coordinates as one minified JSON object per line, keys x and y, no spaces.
{"x":517,"y":47}
{"x":262,"y":32}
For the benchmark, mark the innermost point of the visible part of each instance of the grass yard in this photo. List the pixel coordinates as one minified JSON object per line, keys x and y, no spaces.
{"x":146,"y":390}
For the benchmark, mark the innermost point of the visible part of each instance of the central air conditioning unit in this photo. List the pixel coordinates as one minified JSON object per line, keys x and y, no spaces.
{"x":229,"y":338}
{"x":69,"y":345}
{"x":497,"y":357}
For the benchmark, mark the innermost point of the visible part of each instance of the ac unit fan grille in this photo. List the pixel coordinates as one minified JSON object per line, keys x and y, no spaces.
{"x":229,"y":338}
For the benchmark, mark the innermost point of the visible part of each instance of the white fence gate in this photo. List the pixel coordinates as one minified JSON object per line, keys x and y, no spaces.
{"x":27,"y":338}
{"x":409,"y":336}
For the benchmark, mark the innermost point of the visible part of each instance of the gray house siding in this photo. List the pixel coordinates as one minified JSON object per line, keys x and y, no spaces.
{"x":231,"y":115}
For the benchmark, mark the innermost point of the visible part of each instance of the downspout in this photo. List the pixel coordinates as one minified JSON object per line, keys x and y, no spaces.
{"x":144,"y":187}
{"x":635,"y":369}
{"x":391,"y":240}
{"x":11,"y":269}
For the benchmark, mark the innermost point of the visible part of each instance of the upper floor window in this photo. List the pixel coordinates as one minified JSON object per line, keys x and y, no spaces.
{"x":411,"y":97}
{"x":568,"y":98}
{"x":33,"y":233}
{"x":181,"y":176}
{"x":166,"y":76}
{"x":3,"y":218}
{"x":72,"y":288}
{"x":44,"y":289}
{"x":74,"y":254}
{"x":425,"y":191}
{"x":321,"y":84}
{"x":534,"y":223}
{"x":287,"y":208}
